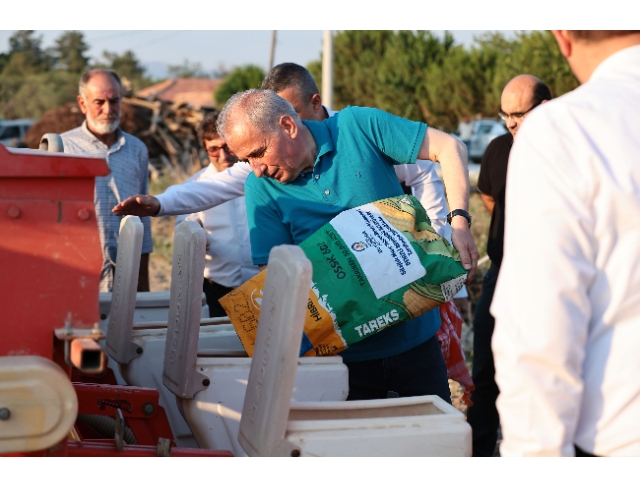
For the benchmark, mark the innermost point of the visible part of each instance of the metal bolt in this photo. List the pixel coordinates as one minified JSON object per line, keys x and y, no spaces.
{"x":206,"y":382}
{"x":4,"y":414}
{"x":84,"y":214}
{"x":148,"y":409}
{"x":139,"y":350}
{"x":295,"y":453}
{"x":14,"y":212}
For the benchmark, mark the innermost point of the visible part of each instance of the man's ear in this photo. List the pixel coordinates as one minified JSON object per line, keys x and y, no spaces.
{"x":316,"y":103}
{"x":82,"y":104}
{"x":564,"y":41}
{"x":289,"y":126}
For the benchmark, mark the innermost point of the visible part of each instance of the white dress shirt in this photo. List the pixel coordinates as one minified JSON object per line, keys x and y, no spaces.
{"x":567,"y":303}
{"x":228,"y":261}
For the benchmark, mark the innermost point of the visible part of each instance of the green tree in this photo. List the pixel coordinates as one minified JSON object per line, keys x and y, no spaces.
{"x":536,"y":53}
{"x":25,"y":55}
{"x":405,"y":73}
{"x":128,"y":68}
{"x":70,"y":52}
{"x":126,"y":64}
{"x":30,"y":96}
{"x":239,"y":79}
{"x":357,"y":56}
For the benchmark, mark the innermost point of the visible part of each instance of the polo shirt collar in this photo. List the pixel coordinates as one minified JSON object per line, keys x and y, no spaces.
{"x":321,"y":135}
{"x":120,"y":140}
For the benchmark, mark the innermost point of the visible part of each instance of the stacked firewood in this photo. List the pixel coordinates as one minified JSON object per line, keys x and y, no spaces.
{"x":168,"y":130}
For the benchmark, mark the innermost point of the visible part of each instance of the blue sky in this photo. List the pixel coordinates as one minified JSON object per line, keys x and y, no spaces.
{"x":211,"y":48}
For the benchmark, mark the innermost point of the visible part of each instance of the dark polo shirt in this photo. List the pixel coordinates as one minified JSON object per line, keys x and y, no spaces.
{"x":492,"y":181}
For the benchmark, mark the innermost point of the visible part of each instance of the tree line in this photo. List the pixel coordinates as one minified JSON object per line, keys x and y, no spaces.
{"x":420,"y":76}
{"x":413,"y":74}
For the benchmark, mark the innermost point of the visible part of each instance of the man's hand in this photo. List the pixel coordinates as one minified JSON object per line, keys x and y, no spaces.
{"x":138,"y":205}
{"x":463,"y":242}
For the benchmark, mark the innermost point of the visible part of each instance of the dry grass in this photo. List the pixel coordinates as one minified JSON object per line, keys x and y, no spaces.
{"x":162,"y":236}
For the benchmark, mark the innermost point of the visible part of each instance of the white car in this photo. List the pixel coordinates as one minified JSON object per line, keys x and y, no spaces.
{"x":12,"y":131}
{"x":484,"y":131}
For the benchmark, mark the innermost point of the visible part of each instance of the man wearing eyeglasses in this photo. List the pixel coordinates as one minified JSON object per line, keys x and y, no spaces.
{"x":228,"y":262}
{"x":519,"y":97}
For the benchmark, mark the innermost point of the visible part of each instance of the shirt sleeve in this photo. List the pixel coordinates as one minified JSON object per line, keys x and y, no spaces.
{"x":266,"y":228}
{"x":194,"y":196}
{"x":484,"y":178}
{"x":397,"y":138}
{"x":541,"y":303}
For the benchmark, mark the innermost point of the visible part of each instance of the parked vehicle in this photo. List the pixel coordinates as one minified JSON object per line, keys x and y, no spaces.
{"x":484,"y":131}
{"x":12,"y":132}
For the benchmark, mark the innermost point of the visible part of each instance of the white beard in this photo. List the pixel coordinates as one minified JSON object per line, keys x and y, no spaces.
{"x":103,"y":128}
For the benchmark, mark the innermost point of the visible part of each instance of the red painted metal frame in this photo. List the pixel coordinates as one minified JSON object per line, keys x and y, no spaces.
{"x":50,"y":253}
{"x":90,"y":448}
{"x":104,"y":399}
{"x":50,"y":262}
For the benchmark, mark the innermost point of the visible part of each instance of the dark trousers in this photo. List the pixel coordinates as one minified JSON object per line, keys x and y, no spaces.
{"x":214,"y":291}
{"x":483,"y":415}
{"x":417,"y":372}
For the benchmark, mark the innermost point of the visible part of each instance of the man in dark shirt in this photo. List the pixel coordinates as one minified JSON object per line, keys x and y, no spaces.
{"x":521,"y":95}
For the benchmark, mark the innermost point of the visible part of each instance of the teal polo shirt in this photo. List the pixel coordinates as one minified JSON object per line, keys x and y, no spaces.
{"x":357,"y":149}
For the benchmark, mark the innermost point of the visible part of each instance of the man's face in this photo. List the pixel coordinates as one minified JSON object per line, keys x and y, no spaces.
{"x":276,"y":156}
{"x":102,"y":104}
{"x":219,"y":154}
{"x":304,"y":108}
{"x":516,"y":105}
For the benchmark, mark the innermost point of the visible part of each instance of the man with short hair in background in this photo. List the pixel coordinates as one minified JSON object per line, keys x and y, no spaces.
{"x":100,"y":99}
{"x":567,"y":306}
{"x":520,"y":96}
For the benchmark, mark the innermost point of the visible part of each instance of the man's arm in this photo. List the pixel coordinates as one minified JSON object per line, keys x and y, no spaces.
{"x":428,"y":188}
{"x":488,"y":202}
{"x":541,"y":303}
{"x":452,"y":156}
{"x":189,"y":197}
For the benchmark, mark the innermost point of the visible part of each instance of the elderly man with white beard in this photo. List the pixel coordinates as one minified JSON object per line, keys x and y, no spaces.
{"x":100,"y":99}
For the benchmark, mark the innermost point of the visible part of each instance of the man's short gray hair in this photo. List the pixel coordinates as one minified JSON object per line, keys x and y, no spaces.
{"x":260,"y":109}
{"x":291,"y":75}
{"x":86,"y":77}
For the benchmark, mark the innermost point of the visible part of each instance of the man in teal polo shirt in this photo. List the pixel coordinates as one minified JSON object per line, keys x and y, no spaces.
{"x":312,"y":172}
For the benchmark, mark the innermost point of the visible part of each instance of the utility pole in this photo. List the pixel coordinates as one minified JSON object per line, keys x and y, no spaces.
{"x":327,"y":70}
{"x":273,"y":49}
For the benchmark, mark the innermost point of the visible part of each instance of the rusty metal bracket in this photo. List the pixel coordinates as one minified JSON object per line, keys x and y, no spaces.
{"x":119,"y":426}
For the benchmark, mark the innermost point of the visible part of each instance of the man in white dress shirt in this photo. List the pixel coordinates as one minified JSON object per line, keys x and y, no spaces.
{"x":567,"y":305}
{"x":228,"y":262}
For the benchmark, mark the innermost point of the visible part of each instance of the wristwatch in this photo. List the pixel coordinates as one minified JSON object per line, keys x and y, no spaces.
{"x":463,"y":213}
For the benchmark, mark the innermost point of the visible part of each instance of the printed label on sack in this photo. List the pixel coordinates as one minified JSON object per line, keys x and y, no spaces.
{"x":384,"y":254}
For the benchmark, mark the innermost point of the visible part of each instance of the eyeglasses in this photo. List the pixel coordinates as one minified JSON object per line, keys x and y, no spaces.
{"x":215,"y":150}
{"x":516,"y":116}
